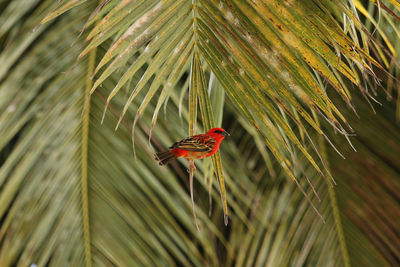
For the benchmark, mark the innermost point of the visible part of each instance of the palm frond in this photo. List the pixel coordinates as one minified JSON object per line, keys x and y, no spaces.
{"x":274,"y":68}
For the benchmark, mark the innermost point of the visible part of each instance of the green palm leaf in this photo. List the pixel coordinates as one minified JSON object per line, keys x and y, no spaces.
{"x":72,"y":193}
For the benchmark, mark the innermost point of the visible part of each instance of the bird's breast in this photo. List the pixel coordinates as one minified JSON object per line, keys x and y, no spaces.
{"x":196,"y":155}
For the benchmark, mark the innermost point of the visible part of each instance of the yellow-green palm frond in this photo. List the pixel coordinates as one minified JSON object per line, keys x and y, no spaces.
{"x":280,"y":76}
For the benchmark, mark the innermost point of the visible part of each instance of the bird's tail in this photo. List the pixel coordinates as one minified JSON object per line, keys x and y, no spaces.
{"x":164,"y":158}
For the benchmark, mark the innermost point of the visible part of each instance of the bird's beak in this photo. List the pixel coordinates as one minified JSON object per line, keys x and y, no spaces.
{"x":225,"y":133}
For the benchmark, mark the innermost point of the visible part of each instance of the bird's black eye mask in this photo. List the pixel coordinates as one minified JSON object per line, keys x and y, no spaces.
{"x":223,"y":133}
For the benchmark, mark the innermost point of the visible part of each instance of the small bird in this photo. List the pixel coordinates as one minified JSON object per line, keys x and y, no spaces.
{"x":193,"y":147}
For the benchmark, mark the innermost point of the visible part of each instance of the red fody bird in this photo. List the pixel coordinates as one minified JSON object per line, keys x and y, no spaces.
{"x":194,"y":147}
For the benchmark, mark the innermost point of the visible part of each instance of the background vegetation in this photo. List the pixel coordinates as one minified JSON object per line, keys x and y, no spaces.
{"x":300,"y":85}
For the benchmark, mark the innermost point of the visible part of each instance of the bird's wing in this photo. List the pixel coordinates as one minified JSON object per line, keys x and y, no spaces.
{"x":197,"y":143}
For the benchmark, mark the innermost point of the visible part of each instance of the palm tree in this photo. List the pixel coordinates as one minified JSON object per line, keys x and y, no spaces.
{"x":89,"y":91}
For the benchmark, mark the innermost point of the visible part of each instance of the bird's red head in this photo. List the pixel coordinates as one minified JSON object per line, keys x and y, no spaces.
{"x":217,"y":133}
